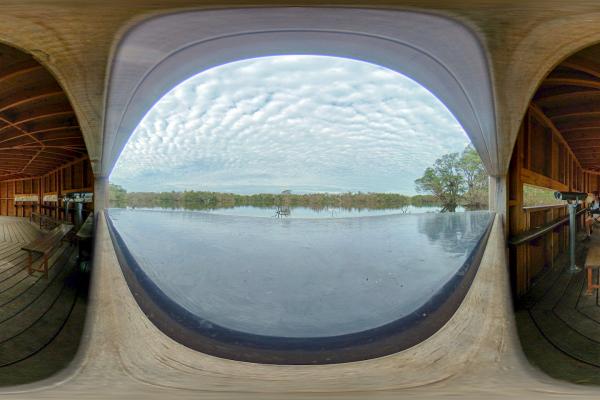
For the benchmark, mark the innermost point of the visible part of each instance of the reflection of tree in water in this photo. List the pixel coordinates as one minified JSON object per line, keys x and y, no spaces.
{"x":283,"y":209}
{"x":456,"y":233}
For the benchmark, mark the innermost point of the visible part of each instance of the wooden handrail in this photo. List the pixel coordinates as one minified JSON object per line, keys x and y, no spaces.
{"x":543,"y":207}
{"x":535,"y":233}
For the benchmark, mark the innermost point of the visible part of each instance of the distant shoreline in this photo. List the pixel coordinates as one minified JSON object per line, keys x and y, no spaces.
{"x":205,"y":200}
{"x":199,"y":200}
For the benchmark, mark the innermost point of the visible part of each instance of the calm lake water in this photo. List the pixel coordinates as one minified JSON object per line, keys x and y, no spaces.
{"x":305,"y":212}
{"x":299,"y":277}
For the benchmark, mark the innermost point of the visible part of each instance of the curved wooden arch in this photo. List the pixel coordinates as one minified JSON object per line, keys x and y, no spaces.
{"x":569,"y":98}
{"x":30,"y":94}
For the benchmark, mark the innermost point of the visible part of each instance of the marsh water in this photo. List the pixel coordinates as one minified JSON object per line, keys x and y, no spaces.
{"x":307,"y":212}
{"x":300,"y":276}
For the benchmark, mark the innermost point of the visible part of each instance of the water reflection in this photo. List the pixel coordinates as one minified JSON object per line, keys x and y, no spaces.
{"x":297,"y":277}
{"x":304,"y":212}
{"x":455,"y":232}
{"x":282,"y":211}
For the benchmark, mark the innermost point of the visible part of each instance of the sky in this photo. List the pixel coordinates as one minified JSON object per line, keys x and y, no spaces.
{"x":300,"y":123}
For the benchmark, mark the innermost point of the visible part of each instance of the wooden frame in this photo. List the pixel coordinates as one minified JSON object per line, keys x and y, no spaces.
{"x":562,"y":171}
{"x":50,"y":183}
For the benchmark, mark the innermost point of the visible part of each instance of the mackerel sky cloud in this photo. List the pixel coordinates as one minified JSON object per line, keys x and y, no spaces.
{"x":305,"y":123}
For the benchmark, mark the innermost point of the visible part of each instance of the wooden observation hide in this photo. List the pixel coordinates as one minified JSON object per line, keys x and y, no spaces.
{"x":42,"y":152}
{"x":558,"y":149}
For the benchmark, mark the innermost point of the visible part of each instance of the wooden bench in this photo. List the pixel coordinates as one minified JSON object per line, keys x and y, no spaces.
{"x":592,"y":261}
{"x":44,"y":246}
{"x":45,"y":222}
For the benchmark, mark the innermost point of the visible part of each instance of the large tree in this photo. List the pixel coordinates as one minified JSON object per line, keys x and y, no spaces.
{"x":444,"y":180}
{"x":475,"y":177}
{"x":456,"y":178}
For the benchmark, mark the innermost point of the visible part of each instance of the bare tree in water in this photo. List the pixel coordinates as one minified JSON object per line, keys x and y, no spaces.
{"x":283,"y":208}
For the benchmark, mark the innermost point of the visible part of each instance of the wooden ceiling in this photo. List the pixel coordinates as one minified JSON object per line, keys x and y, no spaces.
{"x":570,"y":98}
{"x":38,"y":128}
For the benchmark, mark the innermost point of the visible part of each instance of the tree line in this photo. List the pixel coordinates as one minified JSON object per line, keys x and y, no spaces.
{"x":191,"y":199}
{"x":455,"y":179}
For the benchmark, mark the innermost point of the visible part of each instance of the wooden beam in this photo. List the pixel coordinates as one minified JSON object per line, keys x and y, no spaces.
{"x":535,"y":110}
{"x":57,"y":132}
{"x":30,"y":99}
{"x":582,"y":65}
{"x":63,"y":149}
{"x":23,"y":160}
{"x":581,"y":151}
{"x":32,"y":159}
{"x":20,"y":69}
{"x":567,"y":133}
{"x":573,"y":110}
{"x":20,"y":129}
{"x":553,"y":99}
{"x":44,"y":155}
{"x":569,"y":125}
{"x":533,"y":178}
{"x":28,"y":152}
{"x":37,"y":117}
{"x":589,"y":156}
{"x":61,"y":154}
{"x":73,"y":140}
{"x":56,"y":121}
{"x":571,"y":82}
{"x":19,"y":164}
{"x":31,"y":114}
{"x":583,"y":156}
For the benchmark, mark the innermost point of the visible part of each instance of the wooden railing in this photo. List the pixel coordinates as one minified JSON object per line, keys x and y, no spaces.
{"x":542,"y":237}
{"x":540,"y":231}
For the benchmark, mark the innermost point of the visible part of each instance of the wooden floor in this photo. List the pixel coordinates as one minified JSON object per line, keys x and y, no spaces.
{"x":559,"y":323}
{"x":40,"y":319}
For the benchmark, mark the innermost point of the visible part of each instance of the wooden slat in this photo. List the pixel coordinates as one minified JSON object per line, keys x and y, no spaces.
{"x":45,"y":243}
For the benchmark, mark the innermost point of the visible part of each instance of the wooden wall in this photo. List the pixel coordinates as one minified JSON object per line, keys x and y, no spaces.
{"x":73,"y":177}
{"x":542,"y":158}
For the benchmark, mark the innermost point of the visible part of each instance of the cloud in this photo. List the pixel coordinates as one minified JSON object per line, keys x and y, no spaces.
{"x":306,"y":123}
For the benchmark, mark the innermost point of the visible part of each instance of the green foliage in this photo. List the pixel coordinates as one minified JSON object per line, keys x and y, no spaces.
{"x":539,"y":196}
{"x":456,"y":179}
{"x":117,"y":195}
{"x":207,"y":200}
{"x":475,"y":178}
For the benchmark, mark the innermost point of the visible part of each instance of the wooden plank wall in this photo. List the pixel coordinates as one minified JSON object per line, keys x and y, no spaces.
{"x":73,"y":177}
{"x":541,"y":157}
